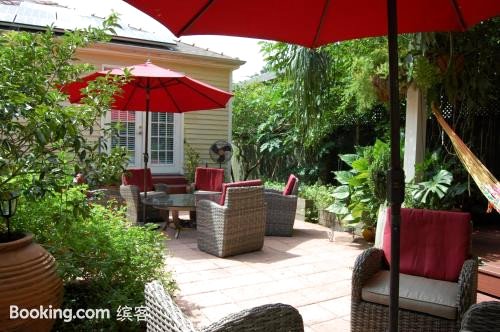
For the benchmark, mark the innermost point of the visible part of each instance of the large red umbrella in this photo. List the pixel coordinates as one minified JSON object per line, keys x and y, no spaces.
{"x":155,"y":89}
{"x":313,"y":23}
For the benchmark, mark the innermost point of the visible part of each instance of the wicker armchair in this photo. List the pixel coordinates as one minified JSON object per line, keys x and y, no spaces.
{"x":367,"y":316}
{"x":280,"y":211}
{"x":234,"y":228}
{"x":130,"y":190}
{"x":426,"y":304}
{"x":207,"y":184}
{"x":482,"y":317}
{"x":165,"y":316}
{"x":133,"y":197}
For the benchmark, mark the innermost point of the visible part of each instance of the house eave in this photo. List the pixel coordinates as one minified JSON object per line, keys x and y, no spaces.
{"x":154,"y":53}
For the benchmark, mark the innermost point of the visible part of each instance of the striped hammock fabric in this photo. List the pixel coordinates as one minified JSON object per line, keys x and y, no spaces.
{"x":489,"y":186}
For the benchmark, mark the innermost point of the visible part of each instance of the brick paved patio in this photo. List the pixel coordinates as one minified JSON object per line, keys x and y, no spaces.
{"x":306,"y":271}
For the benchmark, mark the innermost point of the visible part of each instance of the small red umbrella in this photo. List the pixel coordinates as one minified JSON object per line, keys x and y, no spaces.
{"x":155,"y":89}
{"x":313,"y":23}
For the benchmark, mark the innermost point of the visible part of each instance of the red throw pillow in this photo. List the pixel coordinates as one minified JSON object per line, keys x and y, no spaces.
{"x":136,"y":177}
{"x":209,"y":179}
{"x":237,"y":184}
{"x":434,"y":244}
{"x":292,"y":179}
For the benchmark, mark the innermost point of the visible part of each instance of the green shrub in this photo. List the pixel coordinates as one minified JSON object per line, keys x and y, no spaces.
{"x":103,"y":262}
{"x":321,"y":195}
{"x":270,"y":184}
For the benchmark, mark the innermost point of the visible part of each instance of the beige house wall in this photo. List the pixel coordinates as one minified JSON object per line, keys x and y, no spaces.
{"x":200,"y":129}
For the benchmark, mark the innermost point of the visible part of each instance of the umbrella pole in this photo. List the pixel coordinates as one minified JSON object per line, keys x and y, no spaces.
{"x":395,"y":174}
{"x":146,"y":155}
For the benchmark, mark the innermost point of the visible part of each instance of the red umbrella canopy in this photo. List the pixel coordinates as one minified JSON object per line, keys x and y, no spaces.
{"x":313,"y":23}
{"x":169,"y":91}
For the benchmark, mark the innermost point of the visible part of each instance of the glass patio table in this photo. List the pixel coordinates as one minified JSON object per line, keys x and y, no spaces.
{"x":173,"y":203}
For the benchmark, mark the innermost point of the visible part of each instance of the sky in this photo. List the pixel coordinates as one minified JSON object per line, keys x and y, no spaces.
{"x":245,"y":49}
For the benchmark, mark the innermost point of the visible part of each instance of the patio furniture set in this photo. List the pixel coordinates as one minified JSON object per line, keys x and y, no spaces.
{"x":438,"y":279}
{"x":231,"y":218}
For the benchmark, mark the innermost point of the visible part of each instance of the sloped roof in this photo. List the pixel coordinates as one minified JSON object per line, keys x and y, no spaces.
{"x":36,"y":15}
{"x":194,"y":50}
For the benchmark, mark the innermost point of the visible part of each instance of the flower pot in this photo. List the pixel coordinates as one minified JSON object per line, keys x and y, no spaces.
{"x":28,"y":279}
{"x":326,"y":218}
{"x":368,"y":234}
{"x":304,"y":208}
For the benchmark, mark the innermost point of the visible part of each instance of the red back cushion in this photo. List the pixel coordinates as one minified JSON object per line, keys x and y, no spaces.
{"x":292,"y":179}
{"x":209,"y":179}
{"x":136,"y":177}
{"x":237,"y":184}
{"x":434,"y":244}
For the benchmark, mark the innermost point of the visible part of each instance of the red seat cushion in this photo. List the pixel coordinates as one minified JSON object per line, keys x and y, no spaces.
{"x":434,"y":244}
{"x":135,"y":177}
{"x":237,"y":184}
{"x":209,"y":179}
{"x":292,"y":179}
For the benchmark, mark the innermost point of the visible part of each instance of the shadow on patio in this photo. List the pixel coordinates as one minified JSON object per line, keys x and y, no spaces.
{"x":306,"y":271}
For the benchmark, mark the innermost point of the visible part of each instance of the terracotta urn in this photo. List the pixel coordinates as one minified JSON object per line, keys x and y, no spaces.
{"x":28,"y":280}
{"x":369,"y":234}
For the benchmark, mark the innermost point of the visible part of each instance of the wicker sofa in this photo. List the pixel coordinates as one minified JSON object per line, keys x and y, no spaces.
{"x":132,"y":192}
{"x":234,"y":226}
{"x":165,"y":316}
{"x":426,"y":303}
{"x":281,"y":208}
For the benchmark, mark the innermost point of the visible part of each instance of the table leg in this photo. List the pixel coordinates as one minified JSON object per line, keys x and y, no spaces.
{"x":177,"y":223}
{"x":165,"y":215}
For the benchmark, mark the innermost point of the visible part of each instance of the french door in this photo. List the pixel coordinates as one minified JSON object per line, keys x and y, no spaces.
{"x":165,"y":137}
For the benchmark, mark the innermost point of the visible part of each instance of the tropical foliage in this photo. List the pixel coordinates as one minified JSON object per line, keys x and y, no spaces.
{"x":324,"y":102}
{"x":442,"y":183}
{"x":362,"y":187}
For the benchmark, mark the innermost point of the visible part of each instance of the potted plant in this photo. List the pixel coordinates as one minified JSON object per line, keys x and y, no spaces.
{"x":28,"y":277}
{"x":313,"y":202}
{"x":362,"y":189}
{"x":305,"y":209}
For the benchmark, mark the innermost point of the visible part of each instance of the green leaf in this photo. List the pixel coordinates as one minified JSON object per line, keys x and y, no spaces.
{"x":338,"y":208}
{"x":343,"y":177}
{"x":348,"y":158}
{"x":360,"y":164}
{"x":341,"y":192}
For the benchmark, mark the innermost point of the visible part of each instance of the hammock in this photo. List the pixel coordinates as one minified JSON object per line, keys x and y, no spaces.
{"x":489,"y":186}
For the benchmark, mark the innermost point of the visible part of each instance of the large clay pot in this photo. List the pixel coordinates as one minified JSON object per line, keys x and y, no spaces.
{"x":369,"y":234}
{"x":29,"y":280}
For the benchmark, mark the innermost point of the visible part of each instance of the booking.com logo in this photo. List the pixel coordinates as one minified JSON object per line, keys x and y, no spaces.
{"x":67,"y":315}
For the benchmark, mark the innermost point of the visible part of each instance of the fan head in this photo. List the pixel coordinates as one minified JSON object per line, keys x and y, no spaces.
{"x":220,"y":151}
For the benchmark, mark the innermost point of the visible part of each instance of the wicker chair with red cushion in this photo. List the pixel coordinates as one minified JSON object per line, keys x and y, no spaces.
{"x":207,"y":184}
{"x":281,"y":208}
{"x":438,"y":277}
{"x":132,"y":190}
{"x":236,"y":224}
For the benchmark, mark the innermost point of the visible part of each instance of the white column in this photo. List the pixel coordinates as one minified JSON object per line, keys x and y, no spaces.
{"x":416,"y":117}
